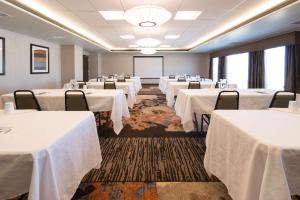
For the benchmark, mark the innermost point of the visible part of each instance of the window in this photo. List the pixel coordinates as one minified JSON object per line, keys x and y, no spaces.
{"x":275,"y":68}
{"x":237,"y":69}
{"x":215,"y":65}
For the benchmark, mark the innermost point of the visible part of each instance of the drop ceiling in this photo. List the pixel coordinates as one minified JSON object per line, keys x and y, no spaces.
{"x":84,"y":14}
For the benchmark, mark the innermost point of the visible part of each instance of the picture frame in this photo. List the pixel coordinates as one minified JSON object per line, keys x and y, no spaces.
{"x":39,"y":59}
{"x":2,"y":56}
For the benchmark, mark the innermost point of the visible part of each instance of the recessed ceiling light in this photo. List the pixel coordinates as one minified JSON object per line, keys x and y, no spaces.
{"x":127,"y":37}
{"x":165,"y":46}
{"x":133,"y":46}
{"x":112,"y":15}
{"x":171,"y":36}
{"x":148,"y":42}
{"x":187,"y":15}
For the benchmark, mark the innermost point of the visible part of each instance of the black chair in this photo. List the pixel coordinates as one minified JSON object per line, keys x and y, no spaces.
{"x":194,"y":85}
{"x":171,"y":76}
{"x":110,"y":85}
{"x":188,"y":76}
{"x":127,"y":77}
{"x":281,"y":99}
{"x":227,"y":100}
{"x":217,"y":85}
{"x":111,"y":76}
{"x":81,"y":84}
{"x":25,"y":99}
{"x":181,"y":79}
{"x":75,"y":100}
{"x":99,"y":78}
{"x":121,"y":80}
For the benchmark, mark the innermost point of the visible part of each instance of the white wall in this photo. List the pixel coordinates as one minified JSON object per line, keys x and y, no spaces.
{"x":174,"y":63}
{"x":17,"y":76}
{"x":78,"y":55}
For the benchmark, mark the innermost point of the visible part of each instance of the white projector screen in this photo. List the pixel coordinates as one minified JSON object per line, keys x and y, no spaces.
{"x":150,"y":69}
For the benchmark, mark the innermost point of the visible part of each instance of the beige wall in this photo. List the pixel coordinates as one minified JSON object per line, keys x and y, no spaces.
{"x":174,"y":63}
{"x":94,"y":65}
{"x":17,"y":49}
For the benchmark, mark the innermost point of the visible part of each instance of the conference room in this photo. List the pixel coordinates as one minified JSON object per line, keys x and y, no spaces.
{"x":150,"y":99}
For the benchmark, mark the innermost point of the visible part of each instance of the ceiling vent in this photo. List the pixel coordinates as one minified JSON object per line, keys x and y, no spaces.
{"x":2,"y":14}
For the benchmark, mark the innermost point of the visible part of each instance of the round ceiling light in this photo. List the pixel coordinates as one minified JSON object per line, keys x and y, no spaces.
{"x":148,"y":51}
{"x":147,"y":16}
{"x":148,"y":42}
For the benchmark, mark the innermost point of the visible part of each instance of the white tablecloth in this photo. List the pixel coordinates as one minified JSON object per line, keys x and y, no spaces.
{"x":203,"y":102}
{"x":136,"y":81}
{"x":174,"y":87}
{"x":98,"y":100}
{"x":163,"y":82}
{"x":256,"y":153}
{"x":127,"y":87}
{"x":47,"y":153}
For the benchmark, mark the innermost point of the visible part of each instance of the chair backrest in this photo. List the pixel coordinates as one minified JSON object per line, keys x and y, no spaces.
{"x":194,"y":85}
{"x":109,"y":85}
{"x":25,"y":99}
{"x":181,"y":79}
{"x":228,"y":100}
{"x":188,"y":76}
{"x":81,"y":84}
{"x":121,"y":80}
{"x":99,"y":78}
{"x":171,"y":76}
{"x":75,"y":100}
{"x":127,"y":77}
{"x":281,"y":99}
{"x":111,"y":76}
{"x":217,"y":85}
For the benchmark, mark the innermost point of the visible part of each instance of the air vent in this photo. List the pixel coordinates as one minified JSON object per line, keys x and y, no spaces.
{"x":2,"y":14}
{"x":296,"y":23}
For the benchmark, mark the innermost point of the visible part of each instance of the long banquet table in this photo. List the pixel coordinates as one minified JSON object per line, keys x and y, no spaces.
{"x":98,"y":100}
{"x":202,"y":101}
{"x":163,"y":82}
{"x":127,"y":87}
{"x":46,"y":153}
{"x":255,"y":153}
{"x":174,"y":87}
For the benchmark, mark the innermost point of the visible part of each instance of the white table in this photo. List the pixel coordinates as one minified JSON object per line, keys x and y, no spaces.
{"x":127,"y":87}
{"x":256,"y":153}
{"x":203,"y":101}
{"x":47,"y":153}
{"x":163,"y":82}
{"x":174,"y":87}
{"x":98,"y":100}
{"x":135,"y":80}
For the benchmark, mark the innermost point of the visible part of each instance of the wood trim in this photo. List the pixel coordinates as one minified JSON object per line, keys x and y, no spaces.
{"x":3,"y":55}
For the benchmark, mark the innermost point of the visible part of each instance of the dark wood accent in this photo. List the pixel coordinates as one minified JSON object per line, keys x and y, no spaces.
{"x":85,"y":68}
{"x":3,"y":55}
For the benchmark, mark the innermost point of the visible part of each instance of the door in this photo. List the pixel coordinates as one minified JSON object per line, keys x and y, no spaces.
{"x":85,"y":68}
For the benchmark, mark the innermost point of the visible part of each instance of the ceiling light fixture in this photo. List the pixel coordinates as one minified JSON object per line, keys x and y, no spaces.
{"x":133,"y":46}
{"x":165,"y":46}
{"x":148,"y":42}
{"x":148,"y":51}
{"x":127,"y":37}
{"x":147,"y":16}
{"x":187,"y":15}
{"x":112,"y":15}
{"x":171,"y":37}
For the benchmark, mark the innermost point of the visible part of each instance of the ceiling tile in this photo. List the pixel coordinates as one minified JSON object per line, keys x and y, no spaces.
{"x":77,"y":5}
{"x":106,"y":4}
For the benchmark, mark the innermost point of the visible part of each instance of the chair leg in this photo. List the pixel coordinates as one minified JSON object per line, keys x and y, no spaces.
{"x":107,"y":117}
{"x":196,"y":121}
{"x":201,"y":124}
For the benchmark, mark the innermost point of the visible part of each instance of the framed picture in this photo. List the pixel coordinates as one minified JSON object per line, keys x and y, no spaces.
{"x":39,"y":59}
{"x":2,"y":56}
